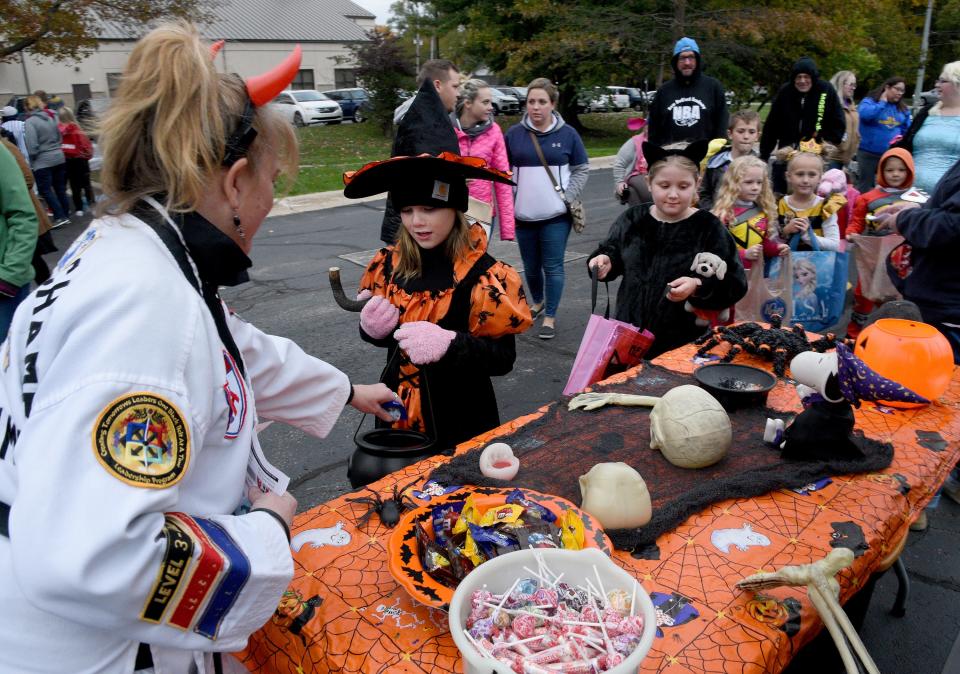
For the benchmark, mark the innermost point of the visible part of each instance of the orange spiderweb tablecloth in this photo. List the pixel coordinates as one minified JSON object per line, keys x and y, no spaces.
{"x":343,"y":612}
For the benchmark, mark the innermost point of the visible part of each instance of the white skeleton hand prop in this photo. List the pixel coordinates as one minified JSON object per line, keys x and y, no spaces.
{"x":823,"y":590}
{"x":593,"y":401}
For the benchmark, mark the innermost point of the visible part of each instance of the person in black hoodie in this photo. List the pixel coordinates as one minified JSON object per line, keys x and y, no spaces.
{"x":806,"y":107}
{"x":692,"y":106}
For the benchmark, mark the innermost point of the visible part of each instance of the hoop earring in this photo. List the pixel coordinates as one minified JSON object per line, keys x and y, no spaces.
{"x":236,"y":223}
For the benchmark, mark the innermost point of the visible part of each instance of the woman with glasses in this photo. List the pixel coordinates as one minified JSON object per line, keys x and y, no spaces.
{"x":884,"y":115}
{"x":934,"y":136}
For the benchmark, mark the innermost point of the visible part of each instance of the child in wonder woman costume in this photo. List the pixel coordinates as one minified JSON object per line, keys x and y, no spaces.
{"x":745,"y":204}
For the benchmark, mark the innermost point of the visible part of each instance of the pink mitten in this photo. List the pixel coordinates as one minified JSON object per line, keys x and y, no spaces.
{"x":424,"y":342}
{"x":378,"y":317}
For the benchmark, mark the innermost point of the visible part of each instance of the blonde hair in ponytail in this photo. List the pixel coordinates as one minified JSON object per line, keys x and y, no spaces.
{"x":166,"y":130}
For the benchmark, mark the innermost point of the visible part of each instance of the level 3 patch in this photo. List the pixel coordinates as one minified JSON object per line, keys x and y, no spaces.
{"x":142,"y":439}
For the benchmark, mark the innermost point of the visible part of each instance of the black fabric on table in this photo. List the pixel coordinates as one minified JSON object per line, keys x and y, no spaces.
{"x":557,"y":448}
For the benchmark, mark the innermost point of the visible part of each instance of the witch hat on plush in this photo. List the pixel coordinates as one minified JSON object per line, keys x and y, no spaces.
{"x":843,"y":376}
{"x":858,"y":381}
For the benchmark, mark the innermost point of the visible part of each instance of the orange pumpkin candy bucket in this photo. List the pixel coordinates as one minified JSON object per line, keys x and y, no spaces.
{"x":910,"y":353}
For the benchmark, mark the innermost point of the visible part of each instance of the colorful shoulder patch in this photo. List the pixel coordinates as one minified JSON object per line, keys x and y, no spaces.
{"x":141,"y":438}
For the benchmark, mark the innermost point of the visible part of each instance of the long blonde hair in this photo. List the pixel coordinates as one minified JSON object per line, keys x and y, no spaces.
{"x":165,"y":132}
{"x":729,"y":190}
{"x":409,"y":262}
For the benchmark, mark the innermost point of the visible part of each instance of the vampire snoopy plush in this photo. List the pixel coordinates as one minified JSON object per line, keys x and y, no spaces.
{"x":830,"y":385}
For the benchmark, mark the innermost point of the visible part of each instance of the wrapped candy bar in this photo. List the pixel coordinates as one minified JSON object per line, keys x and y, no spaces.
{"x":505,"y":514}
{"x":571,"y":530}
{"x":538,"y":535}
{"x":444,"y":517}
{"x":532,"y":508}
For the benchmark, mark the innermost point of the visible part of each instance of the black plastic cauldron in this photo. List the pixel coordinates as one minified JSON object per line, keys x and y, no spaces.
{"x":384,"y":450}
{"x":736,"y":386}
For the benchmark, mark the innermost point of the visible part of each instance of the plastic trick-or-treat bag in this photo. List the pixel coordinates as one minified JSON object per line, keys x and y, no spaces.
{"x":608,"y":346}
{"x":819,"y":284}
{"x":767,"y":296}
{"x":871,"y":257}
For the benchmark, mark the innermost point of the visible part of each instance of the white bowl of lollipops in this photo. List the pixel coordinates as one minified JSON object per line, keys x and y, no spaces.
{"x":543,"y":611}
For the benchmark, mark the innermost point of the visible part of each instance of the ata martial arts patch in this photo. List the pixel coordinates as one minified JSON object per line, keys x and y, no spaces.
{"x":236,"y":394}
{"x":142,"y":439}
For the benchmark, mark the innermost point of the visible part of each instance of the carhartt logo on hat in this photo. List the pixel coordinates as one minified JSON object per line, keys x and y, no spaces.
{"x":441,"y":190}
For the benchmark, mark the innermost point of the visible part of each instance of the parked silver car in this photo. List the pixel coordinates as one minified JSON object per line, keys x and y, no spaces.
{"x":503,"y":103}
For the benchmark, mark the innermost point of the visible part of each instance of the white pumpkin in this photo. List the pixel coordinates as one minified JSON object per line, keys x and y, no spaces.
{"x":690,"y":427}
{"x":616,"y":495}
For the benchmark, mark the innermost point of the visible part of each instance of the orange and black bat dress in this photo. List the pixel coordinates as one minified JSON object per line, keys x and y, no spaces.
{"x":482,"y":300}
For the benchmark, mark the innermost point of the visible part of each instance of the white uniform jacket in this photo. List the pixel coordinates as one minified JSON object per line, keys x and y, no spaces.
{"x":126,"y":435}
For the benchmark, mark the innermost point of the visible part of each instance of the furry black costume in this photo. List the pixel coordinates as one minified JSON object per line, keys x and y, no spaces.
{"x":649,"y":254}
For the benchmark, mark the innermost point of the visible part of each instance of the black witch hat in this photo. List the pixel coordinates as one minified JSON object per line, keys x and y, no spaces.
{"x":426,"y":167}
{"x":426,"y":127}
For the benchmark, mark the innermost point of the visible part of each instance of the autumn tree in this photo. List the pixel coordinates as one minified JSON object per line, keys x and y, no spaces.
{"x":385,"y":70}
{"x":68,"y":29}
{"x":749,"y":46}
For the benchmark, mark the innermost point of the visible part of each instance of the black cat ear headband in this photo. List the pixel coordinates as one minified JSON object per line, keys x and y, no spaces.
{"x":695,"y":152}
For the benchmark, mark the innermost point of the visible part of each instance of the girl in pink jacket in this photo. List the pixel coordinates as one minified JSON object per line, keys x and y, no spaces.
{"x":480,"y":136}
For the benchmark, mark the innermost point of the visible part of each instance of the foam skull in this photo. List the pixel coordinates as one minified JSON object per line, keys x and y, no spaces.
{"x":690,"y":427}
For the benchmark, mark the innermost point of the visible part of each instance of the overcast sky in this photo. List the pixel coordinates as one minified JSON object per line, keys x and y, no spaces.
{"x":379,"y":7}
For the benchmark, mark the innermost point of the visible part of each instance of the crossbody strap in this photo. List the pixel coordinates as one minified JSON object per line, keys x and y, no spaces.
{"x":543,"y":162}
{"x":154,"y":216}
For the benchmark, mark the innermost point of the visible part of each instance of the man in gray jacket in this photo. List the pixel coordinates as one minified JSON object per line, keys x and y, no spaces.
{"x":46,"y":159}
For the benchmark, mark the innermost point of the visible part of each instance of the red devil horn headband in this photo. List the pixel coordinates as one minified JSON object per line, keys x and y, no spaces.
{"x":261,"y":89}
{"x":264,"y":88}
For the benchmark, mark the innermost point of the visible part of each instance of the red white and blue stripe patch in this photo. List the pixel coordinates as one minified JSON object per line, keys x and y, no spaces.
{"x":208,"y":568}
{"x":235,"y":393}
{"x":230,"y":586}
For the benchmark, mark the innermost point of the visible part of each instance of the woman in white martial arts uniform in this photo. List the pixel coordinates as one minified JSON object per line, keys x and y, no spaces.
{"x":129,"y":393}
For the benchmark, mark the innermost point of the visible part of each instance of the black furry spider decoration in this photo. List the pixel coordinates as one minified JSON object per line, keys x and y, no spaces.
{"x":389,"y":510}
{"x":776,"y":343}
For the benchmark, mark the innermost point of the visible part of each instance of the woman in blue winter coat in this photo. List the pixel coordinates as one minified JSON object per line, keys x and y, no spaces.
{"x":883,"y":116}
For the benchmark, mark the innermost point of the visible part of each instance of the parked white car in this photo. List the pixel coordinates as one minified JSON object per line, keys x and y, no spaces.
{"x":308,"y":106}
{"x":619,"y":98}
{"x":504,"y":103}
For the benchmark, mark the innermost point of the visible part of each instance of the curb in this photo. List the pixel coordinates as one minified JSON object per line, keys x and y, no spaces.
{"x":319,"y":201}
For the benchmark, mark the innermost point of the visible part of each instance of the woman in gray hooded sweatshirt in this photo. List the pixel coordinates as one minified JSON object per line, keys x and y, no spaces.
{"x":47,"y":160}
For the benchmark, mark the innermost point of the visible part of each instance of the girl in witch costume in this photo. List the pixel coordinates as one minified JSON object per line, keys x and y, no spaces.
{"x":445,"y":310}
{"x":653,"y":246}
{"x":130,"y":394}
